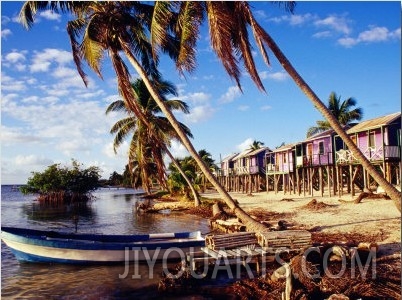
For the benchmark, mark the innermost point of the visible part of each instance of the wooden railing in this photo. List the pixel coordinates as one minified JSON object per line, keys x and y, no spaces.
{"x":372,"y":154}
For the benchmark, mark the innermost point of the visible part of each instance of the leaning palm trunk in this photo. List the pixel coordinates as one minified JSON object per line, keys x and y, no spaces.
{"x":197,"y":201}
{"x":379,"y":178}
{"x":251,"y":224}
{"x":127,"y":93}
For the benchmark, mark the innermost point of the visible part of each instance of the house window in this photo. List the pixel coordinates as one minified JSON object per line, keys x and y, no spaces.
{"x":321,"y":148}
{"x":284,"y":158}
{"x":372,"y":140}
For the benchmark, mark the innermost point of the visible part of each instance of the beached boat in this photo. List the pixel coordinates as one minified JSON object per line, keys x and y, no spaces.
{"x":55,"y":247}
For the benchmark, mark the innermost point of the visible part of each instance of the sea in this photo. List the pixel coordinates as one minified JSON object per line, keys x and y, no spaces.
{"x":110,"y":212}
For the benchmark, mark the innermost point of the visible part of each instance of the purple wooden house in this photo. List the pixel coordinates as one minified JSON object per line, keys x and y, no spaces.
{"x":227,"y":165}
{"x":379,"y":140}
{"x":256,"y":160}
{"x":316,"y":150}
{"x":281,"y":160}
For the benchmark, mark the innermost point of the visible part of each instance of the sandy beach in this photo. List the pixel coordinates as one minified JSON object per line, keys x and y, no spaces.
{"x":370,"y":217}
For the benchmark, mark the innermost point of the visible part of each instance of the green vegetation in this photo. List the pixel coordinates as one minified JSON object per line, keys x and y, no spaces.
{"x":150,"y":139}
{"x":142,"y":31}
{"x":178,"y":185}
{"x":63,"y":184}
{"x":342,"y":111}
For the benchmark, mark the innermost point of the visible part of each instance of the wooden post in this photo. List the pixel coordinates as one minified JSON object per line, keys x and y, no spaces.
{"x":365,"y":185}
{"x":321,"y":179}
{"x":329,"y":180}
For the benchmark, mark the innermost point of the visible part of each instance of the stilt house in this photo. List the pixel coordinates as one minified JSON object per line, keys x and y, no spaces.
{"x":379,"y":139}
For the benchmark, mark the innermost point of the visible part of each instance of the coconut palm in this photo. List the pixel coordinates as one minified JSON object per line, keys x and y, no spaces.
{"x":146,"y":160}
{"x":256,"y":145}
{"x":342,"y":111}
{"x":228,"y":27}
{"x":207,"y":158}
{"x":118,"y":27}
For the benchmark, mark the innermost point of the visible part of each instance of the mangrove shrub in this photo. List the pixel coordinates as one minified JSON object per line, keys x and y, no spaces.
{"x":62,"y":183}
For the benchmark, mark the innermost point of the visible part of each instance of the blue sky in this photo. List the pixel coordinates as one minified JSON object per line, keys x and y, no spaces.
{"x":48,"y":115}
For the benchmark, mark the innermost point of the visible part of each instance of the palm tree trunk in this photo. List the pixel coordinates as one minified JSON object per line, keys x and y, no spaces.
{"x":197,"y":201}
{"x":251,"y":224}
{"x":392,"y":192}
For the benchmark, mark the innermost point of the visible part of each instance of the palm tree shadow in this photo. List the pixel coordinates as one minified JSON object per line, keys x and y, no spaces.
{"x":393,"y":248}
{"x":320,"y":228}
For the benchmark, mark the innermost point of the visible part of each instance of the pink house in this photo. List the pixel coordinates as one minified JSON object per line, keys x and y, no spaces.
{"x":379,"y":140}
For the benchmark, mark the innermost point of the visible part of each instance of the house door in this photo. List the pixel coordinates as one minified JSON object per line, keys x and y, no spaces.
{"x":309,"y":153}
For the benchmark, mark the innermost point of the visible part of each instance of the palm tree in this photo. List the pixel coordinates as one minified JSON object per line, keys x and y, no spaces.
{"x":146,"y":160}
{"x":256,"y":145}
{"x":118,"y":27}
{"x":228,"y":24}
{"x":115,"y":27}
{"x":207,"y":158}
{"x":342,"y":111}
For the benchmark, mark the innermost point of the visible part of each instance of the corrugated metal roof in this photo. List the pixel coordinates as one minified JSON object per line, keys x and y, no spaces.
{"x":243,"y":154}
{"x":325,"y":133}
{"x":374,"y":123}
{"x":256,"y":151}
{"x":284,"y":147}
{"x":230,"y":157}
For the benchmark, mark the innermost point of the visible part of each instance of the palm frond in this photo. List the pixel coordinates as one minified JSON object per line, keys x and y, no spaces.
{"x":221,"y":22}
{"x":188,"y":24}
{"x":161,"y":17}
{"x":241,"y":10}
{"x":117,"y":105}
{"x":92,"y":52}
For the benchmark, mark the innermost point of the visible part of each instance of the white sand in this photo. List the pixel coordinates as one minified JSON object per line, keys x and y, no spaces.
{"x":371,"y":216}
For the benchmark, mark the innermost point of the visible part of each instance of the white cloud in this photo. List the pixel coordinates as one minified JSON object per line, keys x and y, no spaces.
{"x":337,"y":23}
{"x":5,"y":33}
{"x":50,"y":15}
{"x":9,"y":84}
{"x":299,"y":19}
{"x":178,"y":150}
{"x":14,"y":57}
{"x":14,"y":136}
{"x":199,"y":113}
{"x":372,"y":35}
{"x":322,"y":34}
{"x":62,"y":72}
{"x":30,"y":99}
{"x":197,"y":97}
{"x":32,"y":160}
{"x":245,"y":144}
{"x":293,"y":20}
{"x":266,"y":107}
{"x":231,"y":94}
{"x":42,"y":60}
{"x":121,"y":151}
{"x":375,"y":34}
{"x":277,"y":76}
{"x":347,"y":42}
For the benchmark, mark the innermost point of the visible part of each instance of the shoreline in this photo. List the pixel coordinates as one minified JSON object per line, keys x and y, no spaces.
{"x":375,"y":218}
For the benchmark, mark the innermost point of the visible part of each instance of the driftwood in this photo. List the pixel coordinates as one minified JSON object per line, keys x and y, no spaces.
{"x":228,"y":226}
{"x":365,"y":195}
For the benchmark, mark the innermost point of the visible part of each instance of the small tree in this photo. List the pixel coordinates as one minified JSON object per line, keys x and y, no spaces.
{"x":63,"y":184}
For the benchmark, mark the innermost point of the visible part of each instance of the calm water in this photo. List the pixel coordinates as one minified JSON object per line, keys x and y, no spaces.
{"x":110,"y":213}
